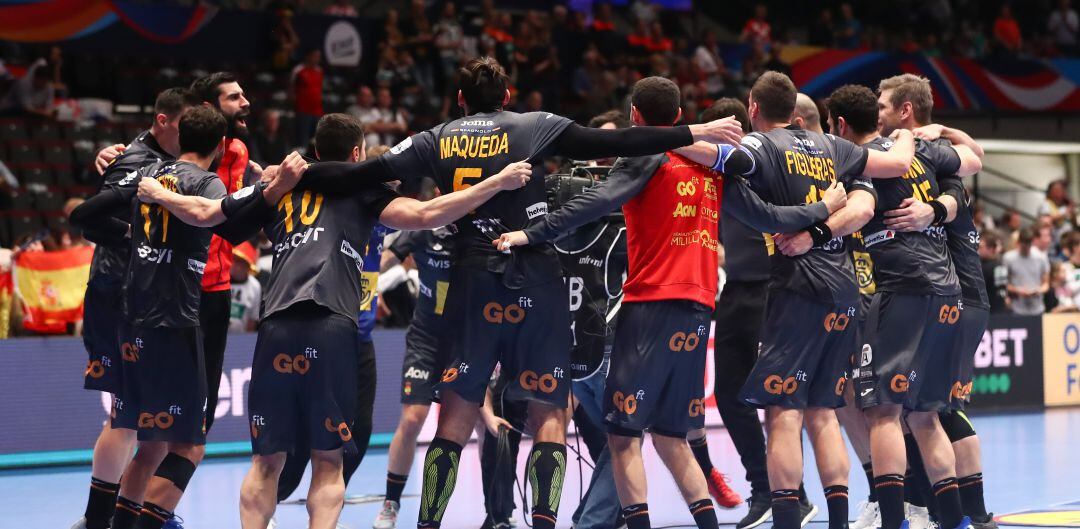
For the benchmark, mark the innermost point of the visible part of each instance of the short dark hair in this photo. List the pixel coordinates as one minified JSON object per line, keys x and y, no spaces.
{"x":173,"y":101}
{"x":991,"y":238}
{"x":1026,"y":235}
{"x":336,"y":135}
{"x":728,"y":106}
{"x":775,"y":94}
{"x":657,"y":99}
{"x":483,"y":83}
{"x":611,"y":116}
{"x":201,"y":130}
{"x":206,"y":87}
{"x":857,"y":105}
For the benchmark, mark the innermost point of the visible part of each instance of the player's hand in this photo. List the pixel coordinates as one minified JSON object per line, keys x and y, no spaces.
{"x":912,"y":215}
{"x":724,"y":130}
{"x":150,"y":190}
{"x":494,"y":423}
{"x":269,"y":173}
{"x":513,"y":176}
{"x":835,"y":196}
{"x":929,"y":132}
{"x":793,"y":244}
{"x":509,"y":240}
{"x":897,"y":133}
{"x":107,"y":155}
{"x":256,"y":169}
{"x":291,"y":170}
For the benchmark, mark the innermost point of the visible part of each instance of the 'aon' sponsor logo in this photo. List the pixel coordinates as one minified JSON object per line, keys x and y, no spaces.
{"x":417,"y":374}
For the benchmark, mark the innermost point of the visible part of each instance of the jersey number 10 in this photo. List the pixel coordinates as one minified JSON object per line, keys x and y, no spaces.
{"x":308,"y":212}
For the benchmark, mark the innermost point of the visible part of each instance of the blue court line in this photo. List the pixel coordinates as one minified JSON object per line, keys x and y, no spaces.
{"x":84,"y":456}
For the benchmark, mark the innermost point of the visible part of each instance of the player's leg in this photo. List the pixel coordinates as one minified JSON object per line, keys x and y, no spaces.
{"x":858,"y":434}
{"x":940,"y":463}
{"x":889,"y":461}
{"x":327,"y":493}
{"x":365,"y":406}
{"x":258,"y":493}
{"x":547,"y":460}
{"x":784,"y":453}
{"x":400,"y":460}
{"x":599,"y":507}
{"x":292,"y":471}
{"x":113,"y":451}
{"x":719,"y":489}
{"x":679,"y":460}
{"x":456,"y":419}
{"x":966,"y":446}
{"x":165,"y":489}
{"x":629,"y":471}
{"x":129,"y":502}
{"x":832,"y":462}
{"x":214,"y":322}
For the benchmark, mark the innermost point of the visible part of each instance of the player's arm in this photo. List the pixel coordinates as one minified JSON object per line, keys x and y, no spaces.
{"x":973,"y":152}
{"x":396,"y":252}
{"x":94,"y":215}
{"x":626,"y":179}
{"x":583,"y":143}
{"x":892,"y":163}
{"x":410,"y":214}
{"x":845,"y":221}
{"x":388,"y":260}
{"x":748,"y":208}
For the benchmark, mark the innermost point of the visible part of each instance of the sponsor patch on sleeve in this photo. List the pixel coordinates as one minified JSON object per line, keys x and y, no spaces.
{"x":402,"y":147}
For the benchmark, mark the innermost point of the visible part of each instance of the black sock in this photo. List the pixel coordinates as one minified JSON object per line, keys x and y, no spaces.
{"x":836,"y":497}
{"x":890,"y":493}
{"x":101,"y":503}
{"x":547,"y":467}
{"x":153,"y":516}
{"x":125,"y":513}
{"x":700,"y":448}
{"x":868,"y":468}
{"x":785,"y":509}
{"x":971,"y":497}
{"x":916,"y":484}
{"x":802,"y":494}
{"x":637,"y":516}
{"x":440,"y":476}
{"x":395,"y":483}
{"x":947,"y":499}
{"x":704,"y":514}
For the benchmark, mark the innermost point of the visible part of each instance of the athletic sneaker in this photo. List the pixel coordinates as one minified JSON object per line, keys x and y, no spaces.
{"x":81,"y":524}
{"x":869,"y":516}
{"x":989,"y":523}
{"x":387,"y":518}
{"x":272,"y":524}
{"x":760,"y":511}
{"x":965,"y":523}
{"x":175,"y":522}
{"x":808,"y":511}
{"x":721,"y":492}
{"x":918,"y":517}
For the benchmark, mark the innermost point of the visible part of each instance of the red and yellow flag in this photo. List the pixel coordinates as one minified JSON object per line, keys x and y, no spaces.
{"x":51,"y":286}
{"x":5,"y":302}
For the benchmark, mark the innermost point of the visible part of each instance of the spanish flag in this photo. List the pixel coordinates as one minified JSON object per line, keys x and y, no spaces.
{"x":51,"y":286}
{"x":5,"y":302}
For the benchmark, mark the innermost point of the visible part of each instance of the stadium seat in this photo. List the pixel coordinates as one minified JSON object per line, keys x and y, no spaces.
{"x":46,"y":130}
{"x":108,"y":133}
{"x":5,"y":233}
{"x":22,"y":151}
{"x":65,"y":176}
{"x":82,"y":131}
{"x":22,"y":225}
{"x":57,"y":152}
{"x":13,"y":129}
{"x":48,"y":201}
{"x":21,"y":201}
{"x":36,"y":173}
{"x":56,"y":221}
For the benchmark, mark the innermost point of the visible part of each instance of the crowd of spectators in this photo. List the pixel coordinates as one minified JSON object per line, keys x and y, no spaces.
{"x":582,"y":62}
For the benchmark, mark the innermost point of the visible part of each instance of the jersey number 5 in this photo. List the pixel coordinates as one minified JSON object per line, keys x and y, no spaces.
{"x":308,"y":212}
{"x":466,"y":173}
{"x":921,"y":191}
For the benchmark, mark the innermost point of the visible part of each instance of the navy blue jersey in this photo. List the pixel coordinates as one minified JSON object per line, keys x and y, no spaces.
{"x":431,"y":253}
{"x":910,"y":262}
{"x":369,"y":280}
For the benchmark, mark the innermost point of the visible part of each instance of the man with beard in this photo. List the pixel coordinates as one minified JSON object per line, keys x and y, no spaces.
{"x":222,"y":91}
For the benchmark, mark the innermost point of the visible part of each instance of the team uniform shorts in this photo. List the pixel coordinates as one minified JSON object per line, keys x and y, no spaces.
{"x":424,"y":360}
{"x":657,"y":376}
{"x":526,"y":330}
{"x":304,"y":381}
{"x":972,"y":326}
{"x":806,"y":348}
{"x":102,"y":317}
{"x":163,"y":396}
{"x":910,"y":354}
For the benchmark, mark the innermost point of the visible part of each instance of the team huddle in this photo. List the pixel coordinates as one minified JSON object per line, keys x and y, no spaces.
{"x":854,"y":297}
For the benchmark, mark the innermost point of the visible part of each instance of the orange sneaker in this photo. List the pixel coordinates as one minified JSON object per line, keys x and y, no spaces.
{"x":724,"y":495}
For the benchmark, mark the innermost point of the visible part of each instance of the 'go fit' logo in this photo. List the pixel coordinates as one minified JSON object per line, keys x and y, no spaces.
{"x":899,"y":384}
{"x":775,"y":385}
{"x":530,"y":381}
{"x":342,"y":429}
{"x":495,"y":313}
{"x":161,"y":420}
{"x":626,"y":403}
{"x":285,"y":364}
{"x":682,"y":341}
{"x":948,"y":314}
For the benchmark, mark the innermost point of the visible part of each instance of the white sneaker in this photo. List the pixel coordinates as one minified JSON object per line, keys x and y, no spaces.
{"x":272,"y":524}
{"x":81,"y":524}
{"x":387,"y":518}
{"x":917,"y":517}
{"x":869,"y":516}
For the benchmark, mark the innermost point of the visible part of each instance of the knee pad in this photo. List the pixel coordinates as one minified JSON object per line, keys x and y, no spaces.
{"x":177,"y":469}
{"x":956,"y":425}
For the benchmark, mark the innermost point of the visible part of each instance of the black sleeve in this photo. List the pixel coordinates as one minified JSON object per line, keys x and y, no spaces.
{"x":375,"y":199}
{"x":850,"y":158}
{"x":953,"y":186}
{"x":628,"y":177}
{"x":344,"y":178}
{"x":748,"y":208}
{"x":583,"y":143}
{"x":946,"y":159}
{"x":95,"y":213}
{"x":244,"y":221}
{"x":404,"y":244}
{"x":106,"y":235}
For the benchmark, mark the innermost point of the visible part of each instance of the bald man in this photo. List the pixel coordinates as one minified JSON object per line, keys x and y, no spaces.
{"x":806,"y":114}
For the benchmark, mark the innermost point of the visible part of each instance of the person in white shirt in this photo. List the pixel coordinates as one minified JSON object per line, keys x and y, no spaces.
{"x":246,"y":290}
{"x":1064,"y":26}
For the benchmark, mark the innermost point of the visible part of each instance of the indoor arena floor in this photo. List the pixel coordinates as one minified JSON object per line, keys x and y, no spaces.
{"x":1031,"y":467}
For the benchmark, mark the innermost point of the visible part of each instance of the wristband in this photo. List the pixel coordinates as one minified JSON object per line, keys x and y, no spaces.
{"x":940,"y":213}
{"x":820,"y":233}
{"x":234,"y":202}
